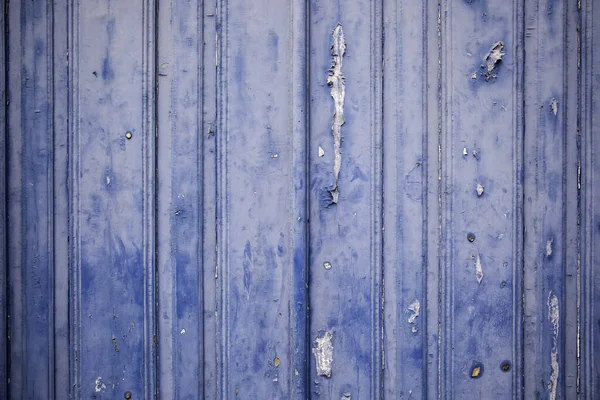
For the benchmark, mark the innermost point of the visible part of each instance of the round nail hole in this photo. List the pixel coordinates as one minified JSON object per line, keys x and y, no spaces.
{"x":471,"y":237}
{"x":128,"y":135}
{"x":505,"y":366}
{"x":127,"y":395}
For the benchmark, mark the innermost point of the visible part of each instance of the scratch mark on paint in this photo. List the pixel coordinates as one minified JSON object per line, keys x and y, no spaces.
{"x":554,"y":318}
{"x":335,"y":80}
{"x":478,"y":269}
{"x":549,"y":248}
{"x":324,"y":354}
{"x":414,"y":309}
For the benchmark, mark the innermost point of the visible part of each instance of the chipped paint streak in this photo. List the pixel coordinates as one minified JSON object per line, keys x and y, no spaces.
{"x":554,"y":106}
{"x":554,"y":318}
{"x":335,"y":80}
{"x":549,"y":248}
{"x":478,"y":269}
{"x":324,"y":354}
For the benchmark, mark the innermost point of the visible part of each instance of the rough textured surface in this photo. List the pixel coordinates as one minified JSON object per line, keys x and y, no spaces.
{"x":165,"y":224}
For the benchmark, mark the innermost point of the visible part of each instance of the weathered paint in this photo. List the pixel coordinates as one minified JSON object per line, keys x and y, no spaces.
{"x":166,"y":226}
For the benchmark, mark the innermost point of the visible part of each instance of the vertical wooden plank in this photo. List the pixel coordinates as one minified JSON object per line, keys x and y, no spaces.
{"x":433,"y":202}
{"x":211,"y":316}
{"x":30,"y":200}
{"x":112,"y":198}
{"x":346,"y":238}
{"x":260,"y":264}
{"x":481,"y":198}
{"x":589,"y":277}
{"x":60,"y":113}
{"x":407,"y":189}
{"x":179,"y":199}
{"x":551,"y":199}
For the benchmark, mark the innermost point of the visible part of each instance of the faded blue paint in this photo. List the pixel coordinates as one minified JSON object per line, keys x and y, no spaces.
{"x":167,"y":228}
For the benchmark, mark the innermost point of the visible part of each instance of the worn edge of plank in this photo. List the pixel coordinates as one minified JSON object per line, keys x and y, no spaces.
{"x":74,"y":208}
{"x":149,"y":165}
{"x":222,"y":221}
{"x":3,"y":202}
{"x":518,"y":260}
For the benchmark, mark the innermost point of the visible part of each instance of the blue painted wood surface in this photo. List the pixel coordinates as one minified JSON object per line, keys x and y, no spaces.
{"x":167,"y":228}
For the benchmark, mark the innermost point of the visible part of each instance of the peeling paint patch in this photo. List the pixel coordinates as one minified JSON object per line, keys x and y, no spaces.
{"x":492,"y":59}
{"x":549,"y":248}
{"x":323,"y":352}
{"x":554,"y":318}
{"x":479,"y":189}
{"x":335,"y":80}
{"x":414,"y":309}
{"x":99,"y":385}
{"x":478,"y":269}
{"x":554,"y":106}
{"x":494,"y":56}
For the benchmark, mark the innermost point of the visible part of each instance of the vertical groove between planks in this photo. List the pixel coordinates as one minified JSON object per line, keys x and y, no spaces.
{"x":440,"y":254}
{"x":50,"y":196}
{"x":222,"y":231}
{"x":446,"y":275}
{"x":376,"y":199}
{"x":518,"y":260}
{"x":148,"y":192}
{"x":588,"y":354}
{"x":299,"y":165}
{"x":3,"y":203}
{"x":74,"y":209}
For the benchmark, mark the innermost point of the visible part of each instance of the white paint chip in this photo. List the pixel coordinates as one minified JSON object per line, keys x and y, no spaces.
{"x":554,"y":106}
{"x":478,"y":270}
{"x":465,"y":152}
{"x":99,"y":385}
{"x":321,"y":152}
{"x":479,"y":189}
{"x":549,"y":248}
{"x":182,"y":332}
{"x":414,"y":309}
{"x":324,"y":354}
{"x":554,"y":318}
